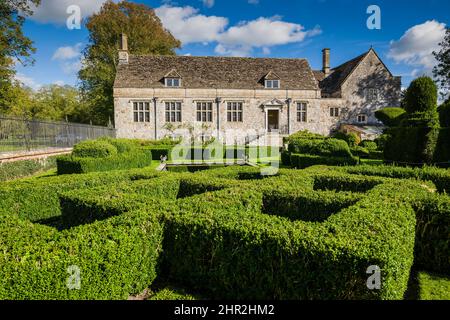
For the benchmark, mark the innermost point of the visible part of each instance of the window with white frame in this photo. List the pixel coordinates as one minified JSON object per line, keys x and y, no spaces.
{"x":235,"y":111}
{"x":335,"y":112}
{"x":272,"y":84}
{"x":372,"y":94}
{"x":204,"y":111}
{"x":302,"y":112}
{"x":173,"y":111}
{"x":362,"y":118}
{"x":173,"y":82}
{"x":141,"y":111}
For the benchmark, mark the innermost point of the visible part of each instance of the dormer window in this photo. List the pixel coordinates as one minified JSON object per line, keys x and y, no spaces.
{"x":272,"y":81}
{"x":173,"y":82}
{"x":272,"y":84}
{"x":172,"y":79}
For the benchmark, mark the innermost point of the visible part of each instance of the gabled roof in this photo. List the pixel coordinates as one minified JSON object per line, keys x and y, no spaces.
{"x":271,"y":76}
{"x":334,"y":81}
{"x":214,"y":72}
{"x":172,"y":74}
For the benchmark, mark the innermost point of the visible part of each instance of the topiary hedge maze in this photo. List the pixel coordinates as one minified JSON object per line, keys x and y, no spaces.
{"x":229,"y":233}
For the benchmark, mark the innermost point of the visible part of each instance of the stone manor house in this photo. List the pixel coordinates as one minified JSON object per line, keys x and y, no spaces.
{"x":158,"y":96}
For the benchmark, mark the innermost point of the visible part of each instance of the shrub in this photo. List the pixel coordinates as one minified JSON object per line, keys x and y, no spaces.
{"x":71,"y":164}
{"x":442,"y":152}
{"x":202,"y":228}
{"x":360,"y":152}
{"x":89,"y":205}
{"x":440,"y":177}
{"x":369,"y":145}
{"x":94,"y":149}
{"x":412,"y":146}
{"x":328,"y":147}
{"x":351,"y":138}
{"x":122,"y":145}
{"x":391,"y":117}
{"x":302,"y":161}
{"x":286,"y":158}
{"x":382,"y":140}
{"x":305,"y":135}
{"x":421,"y":119}
{"x":282,"y":259}
{"x":444,"y":114}
{"x":116,"y":257}
{"x":421,"y":96}
{"x":432,"y":232}
{"x":38,"y":200}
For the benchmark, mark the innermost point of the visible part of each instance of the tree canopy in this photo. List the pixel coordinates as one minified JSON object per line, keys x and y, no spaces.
{"x":442,"y":70}
{"x":14,"y":45}
{"x":146,"y":35}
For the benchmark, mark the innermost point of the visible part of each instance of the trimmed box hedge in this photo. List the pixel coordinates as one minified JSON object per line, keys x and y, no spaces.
{"x":74,"y":165}
{"x":302,"y":161}
{"x":37,"y":200}
{"x":308,"y":234}
{"x":115,"y":257}
{"x":440,"y":177}
{"x":281,"y":259}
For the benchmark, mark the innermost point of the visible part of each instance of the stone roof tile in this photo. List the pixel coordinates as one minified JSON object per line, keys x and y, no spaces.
{"x":215,"y":72}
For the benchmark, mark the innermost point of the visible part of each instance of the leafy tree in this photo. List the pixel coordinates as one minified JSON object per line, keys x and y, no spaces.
{"x":14,"y":45}
{"x":146,"y":35}
{"x":442,"y":70}
{"x":19,"y":100}
{"x":52,"y":102}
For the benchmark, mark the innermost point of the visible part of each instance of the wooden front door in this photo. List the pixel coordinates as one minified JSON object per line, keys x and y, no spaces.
{"x":273,"y":120}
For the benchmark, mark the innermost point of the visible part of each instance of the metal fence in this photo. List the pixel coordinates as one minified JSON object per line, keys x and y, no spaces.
{"x":18,"y":135}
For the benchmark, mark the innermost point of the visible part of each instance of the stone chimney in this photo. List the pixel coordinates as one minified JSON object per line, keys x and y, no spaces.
{"x":123,"y":49}
{"x":326,"y":61}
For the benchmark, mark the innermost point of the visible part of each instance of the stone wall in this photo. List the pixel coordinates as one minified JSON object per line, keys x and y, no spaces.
{"x":254,"y":116}
{"x":371,"y":73}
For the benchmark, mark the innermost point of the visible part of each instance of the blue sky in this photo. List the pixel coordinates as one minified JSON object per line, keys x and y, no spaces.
{"x":410,"y":30}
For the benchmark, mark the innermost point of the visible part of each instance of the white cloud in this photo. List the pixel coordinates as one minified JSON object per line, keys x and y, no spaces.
{"x":55,"y":11}
{"x":27,"y":81}
{"x":68,"y":53}
{"x":233,"y":51}
{"x":264,"y":32}
{"x":253,"y":1}
{"x":266,"y":51}
{"x":416,"y":46}
{"x":208,"y":3}
{"x":69,"y":58}
{"x":71,"y":67}
{"x":187,"y":25}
